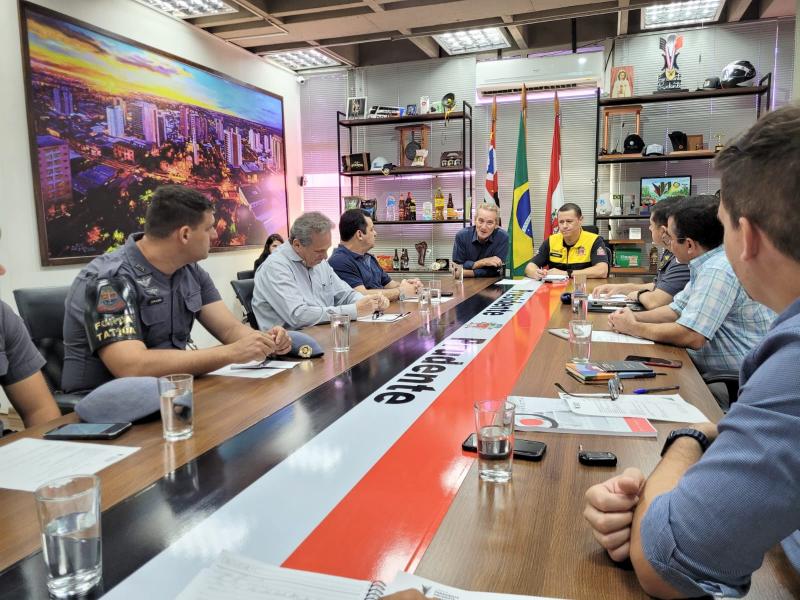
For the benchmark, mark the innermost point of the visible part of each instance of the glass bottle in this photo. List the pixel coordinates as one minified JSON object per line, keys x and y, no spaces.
{"x":396,"y":261}
{"x":451,"y":209}
{"x":412,"y":208}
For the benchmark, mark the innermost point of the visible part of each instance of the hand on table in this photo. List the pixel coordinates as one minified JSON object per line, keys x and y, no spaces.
{"x":606,"y":289}
{"x":622,"y":321}
{"x":370,"y":304}
{"x":281,"y":340}
{"x":609,"y":511}
{"x":410,"y":287}
{"x":256,"y":345}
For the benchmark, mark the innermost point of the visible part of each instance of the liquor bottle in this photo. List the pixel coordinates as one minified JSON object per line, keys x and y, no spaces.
{"x":633,"y":210}
{"x":412,"y":208}
{"x":395,"y":261}
{"x":451,"y":209}
{"x":401,"y":209}
{"x":438,"y":205}
{"x":404,"y":260}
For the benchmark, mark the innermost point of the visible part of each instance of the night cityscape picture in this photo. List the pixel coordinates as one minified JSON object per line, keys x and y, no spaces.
{"x":111,"y":121}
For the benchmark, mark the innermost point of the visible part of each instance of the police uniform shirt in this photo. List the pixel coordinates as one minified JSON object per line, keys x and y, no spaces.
{"x":587,"y":251}
{"x":121,"y":296}
{"x":19,"y":358}
{"x":672,"y":276}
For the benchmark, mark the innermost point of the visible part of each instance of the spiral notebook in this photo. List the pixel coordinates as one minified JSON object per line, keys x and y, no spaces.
{"x":234,"y":576}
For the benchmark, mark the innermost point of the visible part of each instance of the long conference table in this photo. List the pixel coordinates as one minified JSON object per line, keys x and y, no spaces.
{"x":421,"y":507}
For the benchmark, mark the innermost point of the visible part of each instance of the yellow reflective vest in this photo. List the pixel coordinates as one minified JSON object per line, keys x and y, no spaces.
{"x":574,"y":258}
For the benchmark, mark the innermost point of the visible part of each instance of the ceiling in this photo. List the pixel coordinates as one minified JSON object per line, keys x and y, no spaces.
{"x":369,"y":32}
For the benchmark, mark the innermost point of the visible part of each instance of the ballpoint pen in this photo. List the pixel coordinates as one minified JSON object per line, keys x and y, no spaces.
{"x":670,"y":388}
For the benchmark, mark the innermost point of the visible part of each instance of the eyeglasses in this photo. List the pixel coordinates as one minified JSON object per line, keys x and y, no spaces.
{"x":667,"y":239}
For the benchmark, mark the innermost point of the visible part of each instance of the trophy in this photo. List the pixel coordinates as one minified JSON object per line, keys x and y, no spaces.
{"x":719,"y":145}
{"x":422,"y":250}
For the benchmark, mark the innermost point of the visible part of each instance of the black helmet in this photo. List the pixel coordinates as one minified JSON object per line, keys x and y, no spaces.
{"x":737,"y":73}
{"x":712,"y":83}
{"x":633,"y":144}
{"x":680,"y":141}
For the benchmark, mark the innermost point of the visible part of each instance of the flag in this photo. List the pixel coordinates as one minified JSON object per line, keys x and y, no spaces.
{"x":519,"y":227}
{"x":490,"y":194}
{"x":555,"y":193}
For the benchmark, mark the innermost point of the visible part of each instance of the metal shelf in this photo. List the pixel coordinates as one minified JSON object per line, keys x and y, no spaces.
{"x":404,"y":119}
{"x":404,"y":171}
{"x":610,"y":159}
{"x":626,"y":242}
{"x":756,"y":90}
{"x":419,"y":222}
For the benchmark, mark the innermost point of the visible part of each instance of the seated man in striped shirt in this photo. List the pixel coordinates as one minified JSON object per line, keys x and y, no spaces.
{"x":713,"y":316}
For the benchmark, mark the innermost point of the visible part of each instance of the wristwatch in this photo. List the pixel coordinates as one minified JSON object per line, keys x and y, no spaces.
{"x":699,"y":436}
{"x":639,"y":295}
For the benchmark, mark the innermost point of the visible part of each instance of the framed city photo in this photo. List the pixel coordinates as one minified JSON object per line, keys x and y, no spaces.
{"x":110,"y":120}
{"x":357,"y":107}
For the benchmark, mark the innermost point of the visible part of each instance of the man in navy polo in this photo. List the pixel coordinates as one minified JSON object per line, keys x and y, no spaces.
{"x":354,"y":265}
{"x":481,"y":250}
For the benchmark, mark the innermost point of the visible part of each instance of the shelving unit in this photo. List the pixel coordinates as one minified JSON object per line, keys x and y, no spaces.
{"x":761,"y":91}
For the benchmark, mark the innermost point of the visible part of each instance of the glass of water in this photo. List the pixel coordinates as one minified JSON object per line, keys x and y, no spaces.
{"x":424,"y":299}
{"x":580,"y":340}
{"x":458,"y":273}
{"x":436,"y":291}
{"x":177,"y":406}
{"x":494,"y":424}
{"x":340,"y":327}
{"x":69,"y":518}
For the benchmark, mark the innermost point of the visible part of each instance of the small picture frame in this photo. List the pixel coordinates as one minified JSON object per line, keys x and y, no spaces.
{"x":424,"y":105}
{"x":411,"y":110}
{"x":357,"y":107}
{"x":622,"y":82}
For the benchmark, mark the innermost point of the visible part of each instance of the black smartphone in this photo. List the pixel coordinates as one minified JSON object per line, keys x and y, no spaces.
{"x":596,"y":459}
{"x":656,"y":362}
{"x":446,"y":294}
{"x":523,"y":449}
{"x":87,"y":431}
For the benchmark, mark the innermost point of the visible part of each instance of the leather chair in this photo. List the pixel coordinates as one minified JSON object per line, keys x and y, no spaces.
{"x":730,"y":394}
{"x":245,"y":274}
{"x":42,"y":310}
{"x":609,"y":249}
{"x":243,"y":288}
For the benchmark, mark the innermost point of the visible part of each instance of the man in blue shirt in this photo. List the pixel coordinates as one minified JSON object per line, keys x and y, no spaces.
{"x":481,"y":250}
{"x":354,"y":265}
{"x":723,"y":496}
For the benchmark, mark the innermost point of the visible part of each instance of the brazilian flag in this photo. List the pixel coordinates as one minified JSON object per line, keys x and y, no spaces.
{"x":520,"y":247}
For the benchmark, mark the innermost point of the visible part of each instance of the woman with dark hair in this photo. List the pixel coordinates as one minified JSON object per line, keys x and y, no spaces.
{"x":270,"y":245}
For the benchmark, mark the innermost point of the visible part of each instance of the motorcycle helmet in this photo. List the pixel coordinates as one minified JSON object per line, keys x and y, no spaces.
{"x":712,"y":83}
{"x":634,"y":144}
{"x":679,"y":141}
{"x":377,"y":164}
{"x":736,"y":73}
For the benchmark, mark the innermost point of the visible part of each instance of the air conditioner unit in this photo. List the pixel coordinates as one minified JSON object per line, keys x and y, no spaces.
{"x":568,"y":71}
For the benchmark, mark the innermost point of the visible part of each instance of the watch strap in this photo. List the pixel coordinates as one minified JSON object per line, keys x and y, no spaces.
{"x":695,"y":434}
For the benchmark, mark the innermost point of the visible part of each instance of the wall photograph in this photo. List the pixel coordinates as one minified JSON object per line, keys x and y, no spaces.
{"x":111,"y":120}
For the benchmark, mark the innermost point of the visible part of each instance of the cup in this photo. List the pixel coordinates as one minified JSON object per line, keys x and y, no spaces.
{"x":425,"y":299}
{"x":580,"y":340}
{"x":458,"y":273}
{"x":177,"y":406}
{"x":340,"y":327}
{"x":494,"y":424}
{"x":69,"y":519}
{"x":436,"y":291}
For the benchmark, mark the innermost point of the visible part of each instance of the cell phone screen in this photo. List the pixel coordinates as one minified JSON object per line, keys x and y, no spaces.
{"x":78,"y":431}
{"x":658,"y":362}
{"x":524,"y":449}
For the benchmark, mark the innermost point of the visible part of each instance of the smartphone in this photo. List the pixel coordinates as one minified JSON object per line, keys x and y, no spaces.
{"x":523,"y":449}
{"x":656,"y":362}
{"x":87,"y":431}
{"x":446,"y":294}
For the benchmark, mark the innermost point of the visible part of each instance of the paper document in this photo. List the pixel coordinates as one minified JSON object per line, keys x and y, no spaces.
{"x":523,"y":284}
{"x":605,"y":336}
{"x":553,"y":415}
{"x":256,"y":369}
{"x":233,"y":576}
{"x":431,"y":589}
{"x":667,"y":407}
{"x":555,"y":278}
{"x":387,"y":318}
{"x":28,"y":463}
{"x":441,"y":300}
{"x":609,"y":298}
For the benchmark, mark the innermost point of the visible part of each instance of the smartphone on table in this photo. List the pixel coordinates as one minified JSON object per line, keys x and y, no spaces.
{"x":87,"y":431}
{"x":523,"y":449}
{"x":656,"y":362}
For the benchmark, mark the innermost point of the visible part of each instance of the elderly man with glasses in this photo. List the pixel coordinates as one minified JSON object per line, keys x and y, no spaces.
{"x":713,"y":316}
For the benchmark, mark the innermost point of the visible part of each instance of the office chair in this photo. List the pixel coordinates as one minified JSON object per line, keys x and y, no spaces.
{"x":730,"y":379}
{"x":609,"y":249}
{"x":42,"y":310}
{"x":245,"y":274}
{"x":243,"y":288}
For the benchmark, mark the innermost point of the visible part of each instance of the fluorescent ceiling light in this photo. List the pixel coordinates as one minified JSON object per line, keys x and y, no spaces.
{"x":677,"y":14}
{"x":301,"y":60}
{"x":472,"y":40}
{"x":189,"y":9}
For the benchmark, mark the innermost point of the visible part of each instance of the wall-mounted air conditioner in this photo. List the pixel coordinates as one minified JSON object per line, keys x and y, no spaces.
{"x":568,"y":71}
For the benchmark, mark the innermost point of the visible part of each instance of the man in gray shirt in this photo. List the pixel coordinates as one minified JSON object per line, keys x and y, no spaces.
{"x":297,"y":287}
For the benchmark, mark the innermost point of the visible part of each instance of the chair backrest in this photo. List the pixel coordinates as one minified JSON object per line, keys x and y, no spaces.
{"x":245,"y":274}
{"x":42,"y":310}
{"x":592,"y":229}
{"x":243,"y":288}
{"x":608,"y":247}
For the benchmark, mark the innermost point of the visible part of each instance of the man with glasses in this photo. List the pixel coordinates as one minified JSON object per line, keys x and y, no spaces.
{"x":713,"y":317}
{"x":672,"y":276}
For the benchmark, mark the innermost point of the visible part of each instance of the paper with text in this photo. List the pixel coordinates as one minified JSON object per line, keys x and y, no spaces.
{"x":431,"y":589}
{"x":669,"y":407}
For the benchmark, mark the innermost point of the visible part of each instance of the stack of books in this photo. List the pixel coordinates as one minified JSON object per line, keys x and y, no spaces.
{"x":598,"y":372}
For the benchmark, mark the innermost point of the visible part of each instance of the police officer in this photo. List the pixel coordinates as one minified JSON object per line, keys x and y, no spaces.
{"x":571,"y":249}
{"x":130,"y":312}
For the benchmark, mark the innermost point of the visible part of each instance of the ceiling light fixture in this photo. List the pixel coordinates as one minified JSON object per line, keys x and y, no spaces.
{"x":472,"y":40}
{"x":677,"y":14}
{"x":189,"y":9}
{"x":302,"y":60}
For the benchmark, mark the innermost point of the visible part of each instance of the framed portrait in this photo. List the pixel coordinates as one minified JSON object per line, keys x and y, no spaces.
{"x":621,"y":82}
{"x":357,"y":107}
{"x":110,"y":120}
{"x":411,"y":110}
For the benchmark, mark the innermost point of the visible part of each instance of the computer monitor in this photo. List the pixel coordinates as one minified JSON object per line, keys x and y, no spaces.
{"x":658,"y":188}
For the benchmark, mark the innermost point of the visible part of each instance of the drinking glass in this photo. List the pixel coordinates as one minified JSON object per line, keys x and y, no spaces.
{"x":494,"y":424}
{"x":69,"y":519}
{"x":458,"y":273}
{"x":425,"y":299}
{"x":580,"y":340}
{"x":580,"y":297}
{"x":436,"y":291}
{"x":340,"y":326}
{"x":177,"y":406}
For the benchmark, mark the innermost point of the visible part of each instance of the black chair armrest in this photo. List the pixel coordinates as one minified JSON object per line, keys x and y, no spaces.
{"x":730,"y":378}
{"x":66,"y":402}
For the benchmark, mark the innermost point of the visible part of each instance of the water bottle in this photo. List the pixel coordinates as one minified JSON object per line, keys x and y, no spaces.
{"x":391,"y":208}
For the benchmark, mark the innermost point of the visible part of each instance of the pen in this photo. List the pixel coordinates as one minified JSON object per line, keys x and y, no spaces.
{"x":670,"y":388}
